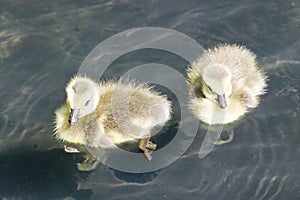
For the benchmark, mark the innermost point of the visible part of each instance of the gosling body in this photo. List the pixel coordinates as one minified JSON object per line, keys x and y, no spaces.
{"x":103,"y":115}
{"x":226,"y":82}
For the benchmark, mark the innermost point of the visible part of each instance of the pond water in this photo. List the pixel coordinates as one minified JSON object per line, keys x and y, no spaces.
{"x":42,"y":45}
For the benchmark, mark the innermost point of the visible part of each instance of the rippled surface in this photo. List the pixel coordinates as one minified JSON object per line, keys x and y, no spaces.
{"x":42,"y":44}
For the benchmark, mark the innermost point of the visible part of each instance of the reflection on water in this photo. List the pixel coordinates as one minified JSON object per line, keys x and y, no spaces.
{"x":43,"y":43}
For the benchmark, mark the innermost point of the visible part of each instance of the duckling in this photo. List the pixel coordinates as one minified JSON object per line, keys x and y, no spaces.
{"x":227,"y":83}
{"x":110,"y":113}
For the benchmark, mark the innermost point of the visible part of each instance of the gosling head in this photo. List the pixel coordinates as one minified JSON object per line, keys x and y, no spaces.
{"x":217,"y":85}
{"x":82,"y":96}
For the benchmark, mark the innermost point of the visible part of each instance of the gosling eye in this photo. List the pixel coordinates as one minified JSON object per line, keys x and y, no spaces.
{"x":209,"y":88}
{"x":87,"y":103}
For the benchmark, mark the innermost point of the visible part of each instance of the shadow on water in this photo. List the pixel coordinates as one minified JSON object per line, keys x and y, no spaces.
{"x":42,"y":45}
{"x":39,"y":175}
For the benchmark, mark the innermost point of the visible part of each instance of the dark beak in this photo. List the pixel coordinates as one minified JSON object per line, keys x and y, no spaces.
{"x":222,"y":101}
{"x":74,"y":116}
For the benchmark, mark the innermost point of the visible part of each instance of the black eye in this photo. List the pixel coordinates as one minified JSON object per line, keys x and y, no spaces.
{"x":209,"y":88}
{"x":87,"y":103}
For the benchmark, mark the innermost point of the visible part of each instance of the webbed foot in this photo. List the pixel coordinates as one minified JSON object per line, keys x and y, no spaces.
{"x":89,"y":164}
{"x":147,"y":147}
{"x":230,"y":138}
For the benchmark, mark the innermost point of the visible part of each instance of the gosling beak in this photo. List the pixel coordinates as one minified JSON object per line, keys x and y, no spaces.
{"x":74,"y":116}
{"x":222,"y":101}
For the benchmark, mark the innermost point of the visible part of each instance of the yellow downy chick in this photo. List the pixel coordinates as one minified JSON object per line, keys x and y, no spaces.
{"x":227,"y":83}
{"x":103,"y":115}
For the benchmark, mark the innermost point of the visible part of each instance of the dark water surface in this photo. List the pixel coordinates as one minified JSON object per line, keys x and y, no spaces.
{"x":42,"y":44}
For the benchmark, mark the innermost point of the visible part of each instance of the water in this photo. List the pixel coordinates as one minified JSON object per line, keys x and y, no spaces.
{"x":42,"y":44}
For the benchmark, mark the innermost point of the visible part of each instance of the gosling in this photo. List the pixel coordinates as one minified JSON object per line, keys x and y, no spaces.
{"x":226,"y":82}
{"x":110,"y":113}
